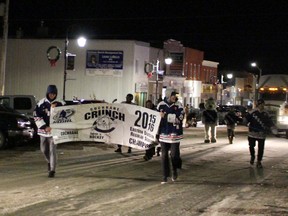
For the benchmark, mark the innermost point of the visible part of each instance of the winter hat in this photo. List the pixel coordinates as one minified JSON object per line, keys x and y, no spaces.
{"x":260,"y":101}
{"x":52,"y":89}
{"x":170,"y":92}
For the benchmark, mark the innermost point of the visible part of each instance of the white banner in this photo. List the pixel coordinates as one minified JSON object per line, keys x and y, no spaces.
{"x":123,"y":124}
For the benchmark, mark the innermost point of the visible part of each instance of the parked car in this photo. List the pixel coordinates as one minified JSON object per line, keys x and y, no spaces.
{"x":223,"y":110}
{"x":24,"y":104}
{"x":14,"y":127}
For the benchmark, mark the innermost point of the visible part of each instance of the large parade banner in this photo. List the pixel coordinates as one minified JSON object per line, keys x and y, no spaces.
{"x":123,"y":124}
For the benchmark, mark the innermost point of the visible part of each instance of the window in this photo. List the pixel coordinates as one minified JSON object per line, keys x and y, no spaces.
{"x":22,"y":103}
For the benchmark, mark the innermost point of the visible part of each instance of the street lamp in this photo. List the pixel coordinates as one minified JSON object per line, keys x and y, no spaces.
{"x":254,"y":64}
{"x":155,"y":69}
{"x":81,"y":43}
{"x":168,"y":60}
{"x":228,"y":76}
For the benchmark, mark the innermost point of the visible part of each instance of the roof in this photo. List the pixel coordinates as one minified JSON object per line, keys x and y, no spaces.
{"x":274,"y":80}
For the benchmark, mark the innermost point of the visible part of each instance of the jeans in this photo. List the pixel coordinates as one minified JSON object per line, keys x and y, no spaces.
{"x":252,"y":144}
{"x":48,"y":148}
{"x":175,"y":157}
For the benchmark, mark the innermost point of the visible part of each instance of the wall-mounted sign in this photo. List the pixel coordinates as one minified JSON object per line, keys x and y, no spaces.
{"x":104,"y":62}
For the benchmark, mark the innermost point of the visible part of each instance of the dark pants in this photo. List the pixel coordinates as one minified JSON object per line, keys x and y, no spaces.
{"x":230,"y":132}
{"x":175,"y":157}
{"x":150,"y":152}
{"x":120,"y":147}
{"x":252,"y":144}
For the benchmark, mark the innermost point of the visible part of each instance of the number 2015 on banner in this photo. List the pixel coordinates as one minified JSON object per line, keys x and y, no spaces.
{"x":144,"y":120}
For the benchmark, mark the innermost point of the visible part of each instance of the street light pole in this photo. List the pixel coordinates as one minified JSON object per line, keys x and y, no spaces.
{"x":254,"y":64}
{"x":157,"y":78}
{"x":65,"y":66}
{"x":228,"y":76}
{"x":155,"y":69}
{"x":81,"y":43}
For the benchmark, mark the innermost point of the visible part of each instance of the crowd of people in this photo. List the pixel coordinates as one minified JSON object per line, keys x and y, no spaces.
{"x":170,"y":131}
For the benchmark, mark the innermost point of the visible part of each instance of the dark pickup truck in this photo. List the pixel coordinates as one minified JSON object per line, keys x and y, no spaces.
{"x":14,"y":127}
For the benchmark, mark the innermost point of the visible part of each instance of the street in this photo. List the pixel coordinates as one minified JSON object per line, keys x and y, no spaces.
{"x":91,"y":179}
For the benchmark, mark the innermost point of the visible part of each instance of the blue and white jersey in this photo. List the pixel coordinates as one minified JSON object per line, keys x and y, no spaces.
{"x":42,"y":115}
{"x":171,"y":130}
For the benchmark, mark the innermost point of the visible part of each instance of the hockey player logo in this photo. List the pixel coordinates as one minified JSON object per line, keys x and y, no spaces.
{"x":104,"y":124}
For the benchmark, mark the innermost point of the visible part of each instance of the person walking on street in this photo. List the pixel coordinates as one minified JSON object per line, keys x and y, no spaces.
{"x":231,"y":119}
{"x":210,"y":121}
{"x":259,"y":123}
{"x":150,"y":152}
{"x":129,"y":99}
{"x":170,"y":134}
{"x":42,"y":120}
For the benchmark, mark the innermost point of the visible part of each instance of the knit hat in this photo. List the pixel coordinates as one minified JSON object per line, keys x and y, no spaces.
{"x":52,"y":89}
{"x":260,"y":101}
{"x":170,"y":92}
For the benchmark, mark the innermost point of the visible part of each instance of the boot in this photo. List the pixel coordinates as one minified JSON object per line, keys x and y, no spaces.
{"x":259,"y":164}
{"x":51,"y":174}
{"x":252,"y":160}
{"x":158,"y":151}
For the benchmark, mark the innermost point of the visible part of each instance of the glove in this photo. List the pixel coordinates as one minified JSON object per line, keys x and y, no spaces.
{"x":274,"y":130}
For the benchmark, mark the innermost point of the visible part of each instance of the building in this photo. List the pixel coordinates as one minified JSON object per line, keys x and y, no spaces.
{"x":108,"y":70}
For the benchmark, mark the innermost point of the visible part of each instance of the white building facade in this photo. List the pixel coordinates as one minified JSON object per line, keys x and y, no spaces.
{"x":28,"y":70}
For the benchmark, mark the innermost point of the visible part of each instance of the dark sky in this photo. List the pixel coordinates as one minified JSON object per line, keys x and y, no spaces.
{"x":231,"y":32}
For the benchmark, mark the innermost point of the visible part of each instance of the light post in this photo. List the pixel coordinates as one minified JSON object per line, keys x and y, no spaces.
{"x":254,"y":64}
{"x":155,"y":69}
{"x":229,"y":76}
{"x":81,"y":43}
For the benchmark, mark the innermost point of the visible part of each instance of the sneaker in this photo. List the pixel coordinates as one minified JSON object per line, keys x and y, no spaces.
{"x":51,"y":174}
{"x":129,"y":151}
{"x":206,"y":141}
{"x":164,"y":181}
{"x":252,"y":160}
{"x":118,"y":150}
{"x":174,"y":175}
{"x":259,"y":165}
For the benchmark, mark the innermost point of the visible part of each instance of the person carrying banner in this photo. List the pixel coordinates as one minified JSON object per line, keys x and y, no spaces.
{"x":129,"y":99}
{"x":170,"y":134}
{"x":42,"y":120}
{"x":150,"y":152}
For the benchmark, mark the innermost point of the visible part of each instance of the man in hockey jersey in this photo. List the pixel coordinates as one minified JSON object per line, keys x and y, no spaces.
{"x":259,"y":123}
{"x":42,"y":120}
{"x":170,"y":134}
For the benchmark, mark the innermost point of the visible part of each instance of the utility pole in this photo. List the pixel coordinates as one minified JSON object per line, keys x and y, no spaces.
{"x":4,"y":47}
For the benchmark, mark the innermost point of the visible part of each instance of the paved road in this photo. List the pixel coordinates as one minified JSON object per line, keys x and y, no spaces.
{"x":91,"y":179}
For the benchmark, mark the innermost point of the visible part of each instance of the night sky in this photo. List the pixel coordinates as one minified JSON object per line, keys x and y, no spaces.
{"x":231,"y":32}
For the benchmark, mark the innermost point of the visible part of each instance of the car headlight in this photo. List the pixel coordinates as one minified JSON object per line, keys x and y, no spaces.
{"x":283,"y":119}
{"x":23,"y":123}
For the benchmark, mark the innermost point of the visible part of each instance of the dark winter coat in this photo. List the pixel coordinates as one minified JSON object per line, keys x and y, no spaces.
{"x":259,"y":124}
{"x":209,"y":117}
{"x":231,"y":118}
